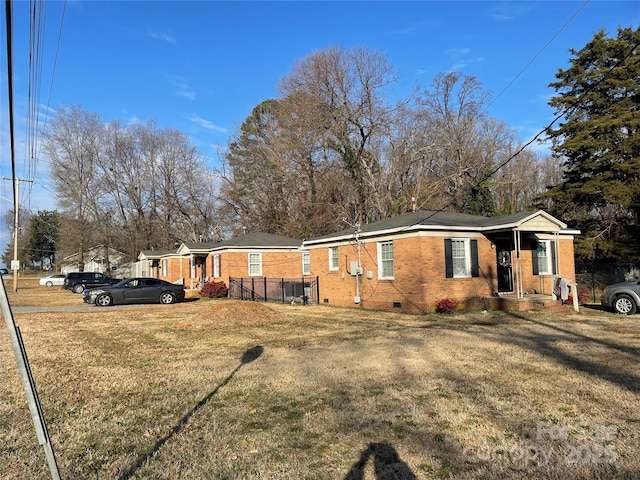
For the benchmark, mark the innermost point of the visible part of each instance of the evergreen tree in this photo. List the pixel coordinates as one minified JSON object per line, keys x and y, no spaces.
{"x":600,"y":142}
{"x":43,"y":235}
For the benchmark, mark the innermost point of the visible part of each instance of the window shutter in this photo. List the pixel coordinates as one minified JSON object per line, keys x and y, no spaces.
{"x":448,"y":258}
{"x":475,"y":268}
{"x":553,"y":257}
{"x":534,"y":258}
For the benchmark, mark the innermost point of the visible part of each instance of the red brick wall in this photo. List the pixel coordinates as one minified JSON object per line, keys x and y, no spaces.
{"x":419,"y":274}
{"x":275,"y":264}
{"x":174,"y":271}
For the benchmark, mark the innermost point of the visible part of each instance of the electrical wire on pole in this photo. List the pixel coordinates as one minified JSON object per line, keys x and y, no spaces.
{"x":15,"y":336}
{"x":15,"y":264}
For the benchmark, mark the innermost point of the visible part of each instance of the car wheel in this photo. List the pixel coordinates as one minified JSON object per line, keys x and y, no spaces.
{"x":78,"y":288}
{"x":49,"y":284}
{"x":624,"y":304}
{"x":167,"y":298}
{"x":104,"y":300}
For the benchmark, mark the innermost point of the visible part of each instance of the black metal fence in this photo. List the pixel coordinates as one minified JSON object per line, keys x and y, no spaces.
{"x":592,"y":278}
{"x":302,"y":291}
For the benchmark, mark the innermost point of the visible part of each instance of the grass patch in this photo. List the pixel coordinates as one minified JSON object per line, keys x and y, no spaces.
{"x":240,"y":390}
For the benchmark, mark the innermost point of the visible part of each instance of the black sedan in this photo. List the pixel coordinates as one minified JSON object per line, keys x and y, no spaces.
{"x":135,"y":290}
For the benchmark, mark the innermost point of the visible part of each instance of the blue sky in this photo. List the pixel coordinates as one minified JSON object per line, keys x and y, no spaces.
{"x":201,"y":67}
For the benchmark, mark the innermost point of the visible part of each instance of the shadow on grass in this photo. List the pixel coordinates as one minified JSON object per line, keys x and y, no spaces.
{"x":545,"y":345}
{"x":387,"y":464}
{"x":247,"y":357}
{"x":595,"y":307}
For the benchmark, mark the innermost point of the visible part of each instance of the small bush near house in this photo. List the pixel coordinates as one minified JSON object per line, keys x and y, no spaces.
{"x":583,"y":298}
{"x":214,"y":290}
{"x":446,"y":305}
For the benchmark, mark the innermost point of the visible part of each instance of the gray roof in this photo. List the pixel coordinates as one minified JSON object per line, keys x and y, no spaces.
{"x":250,"y":240}
{"x":433,"y":220}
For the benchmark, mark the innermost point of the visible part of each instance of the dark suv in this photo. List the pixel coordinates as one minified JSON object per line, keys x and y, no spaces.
{"x":78,"y":282}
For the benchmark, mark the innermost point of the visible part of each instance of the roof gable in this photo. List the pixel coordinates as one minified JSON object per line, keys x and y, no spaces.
{"x":155,"y":254}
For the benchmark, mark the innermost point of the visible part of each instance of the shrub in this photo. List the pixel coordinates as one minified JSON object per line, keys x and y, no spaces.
{"x":214,"y":290}
{"x":446,"y":305}
{"x":583,"y":298}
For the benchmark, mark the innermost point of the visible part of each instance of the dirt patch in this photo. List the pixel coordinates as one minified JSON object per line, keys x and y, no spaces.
{"x":231,"y":313}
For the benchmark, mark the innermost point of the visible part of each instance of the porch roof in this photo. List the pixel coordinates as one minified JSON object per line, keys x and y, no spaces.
{"x":155,"y":254}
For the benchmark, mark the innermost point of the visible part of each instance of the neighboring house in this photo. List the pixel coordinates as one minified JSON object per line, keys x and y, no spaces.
{"x":409,"y":262}
{"x":101,"y":259}
{"x":412,"y":261}
{"x":159,"y":264}
{"x":254,"y":255}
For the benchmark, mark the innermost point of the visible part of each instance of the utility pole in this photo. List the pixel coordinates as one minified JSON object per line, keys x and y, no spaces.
{"x":358,"y":267}
{"x":15,"y":264}
{"x":359,"y":270}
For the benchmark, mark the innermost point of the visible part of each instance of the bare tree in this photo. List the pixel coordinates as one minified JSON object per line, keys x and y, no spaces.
{"x":72,"y":145}
{"x":128,"y":187}
{"x":468,"y":143}
{"x":351,"y":113}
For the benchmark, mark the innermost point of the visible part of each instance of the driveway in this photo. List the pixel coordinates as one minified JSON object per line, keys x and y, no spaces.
{"x":67,"y":308}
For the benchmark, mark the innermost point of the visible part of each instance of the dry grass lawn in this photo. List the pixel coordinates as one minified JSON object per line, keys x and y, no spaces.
{"x":222,"y":389}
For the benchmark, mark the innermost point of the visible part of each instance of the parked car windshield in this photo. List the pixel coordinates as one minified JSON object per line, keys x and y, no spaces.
{"x":121,"y":283}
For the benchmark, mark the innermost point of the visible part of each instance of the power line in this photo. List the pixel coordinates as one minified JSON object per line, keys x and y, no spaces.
{"x":36,"y":155}
{"x":567,"y":110}
{"x":536,"y":55}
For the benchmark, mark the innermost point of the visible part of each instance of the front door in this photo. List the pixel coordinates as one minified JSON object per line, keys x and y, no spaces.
{"x":504,"y":267}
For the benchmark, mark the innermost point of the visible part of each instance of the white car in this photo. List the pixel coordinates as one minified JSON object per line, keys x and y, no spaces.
{"x":51,"y":280}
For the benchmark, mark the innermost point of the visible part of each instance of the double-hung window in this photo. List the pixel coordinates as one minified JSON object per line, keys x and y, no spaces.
{"x":216,"y":266}
{"x":165,"y":267}
{"x":461,"y":258}
{"x":333,"y":258}
{"x":255,"y":264}
{"x":306,"y":263}
{"x":544,"y":257}
{"x":385,"y":261}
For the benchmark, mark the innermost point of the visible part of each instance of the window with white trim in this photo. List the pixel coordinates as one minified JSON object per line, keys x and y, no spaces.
{"x":306,"y":263}
{"x":333,"y":258}
{"x":385,"y":260}
{"x":255,"y":264}
{"x":216,"y":266}
{"x":165,"y":267}
{"x":544,"y":257}
{"x":460,"y":257}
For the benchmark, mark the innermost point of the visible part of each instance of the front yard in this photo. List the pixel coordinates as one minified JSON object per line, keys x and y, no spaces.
{"x":238,"y":390}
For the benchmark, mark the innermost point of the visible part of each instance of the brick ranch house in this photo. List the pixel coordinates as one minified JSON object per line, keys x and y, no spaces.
{"x":413,"y":261}
{"x":409,"y":262}
{"x":254,"y":255}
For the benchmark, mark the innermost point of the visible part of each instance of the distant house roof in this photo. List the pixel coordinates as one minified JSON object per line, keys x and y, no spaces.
{"x":155,"y":254}
{"x":422,"y":220}
{"x":261,"y":241}
{"x":95,"y":253}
